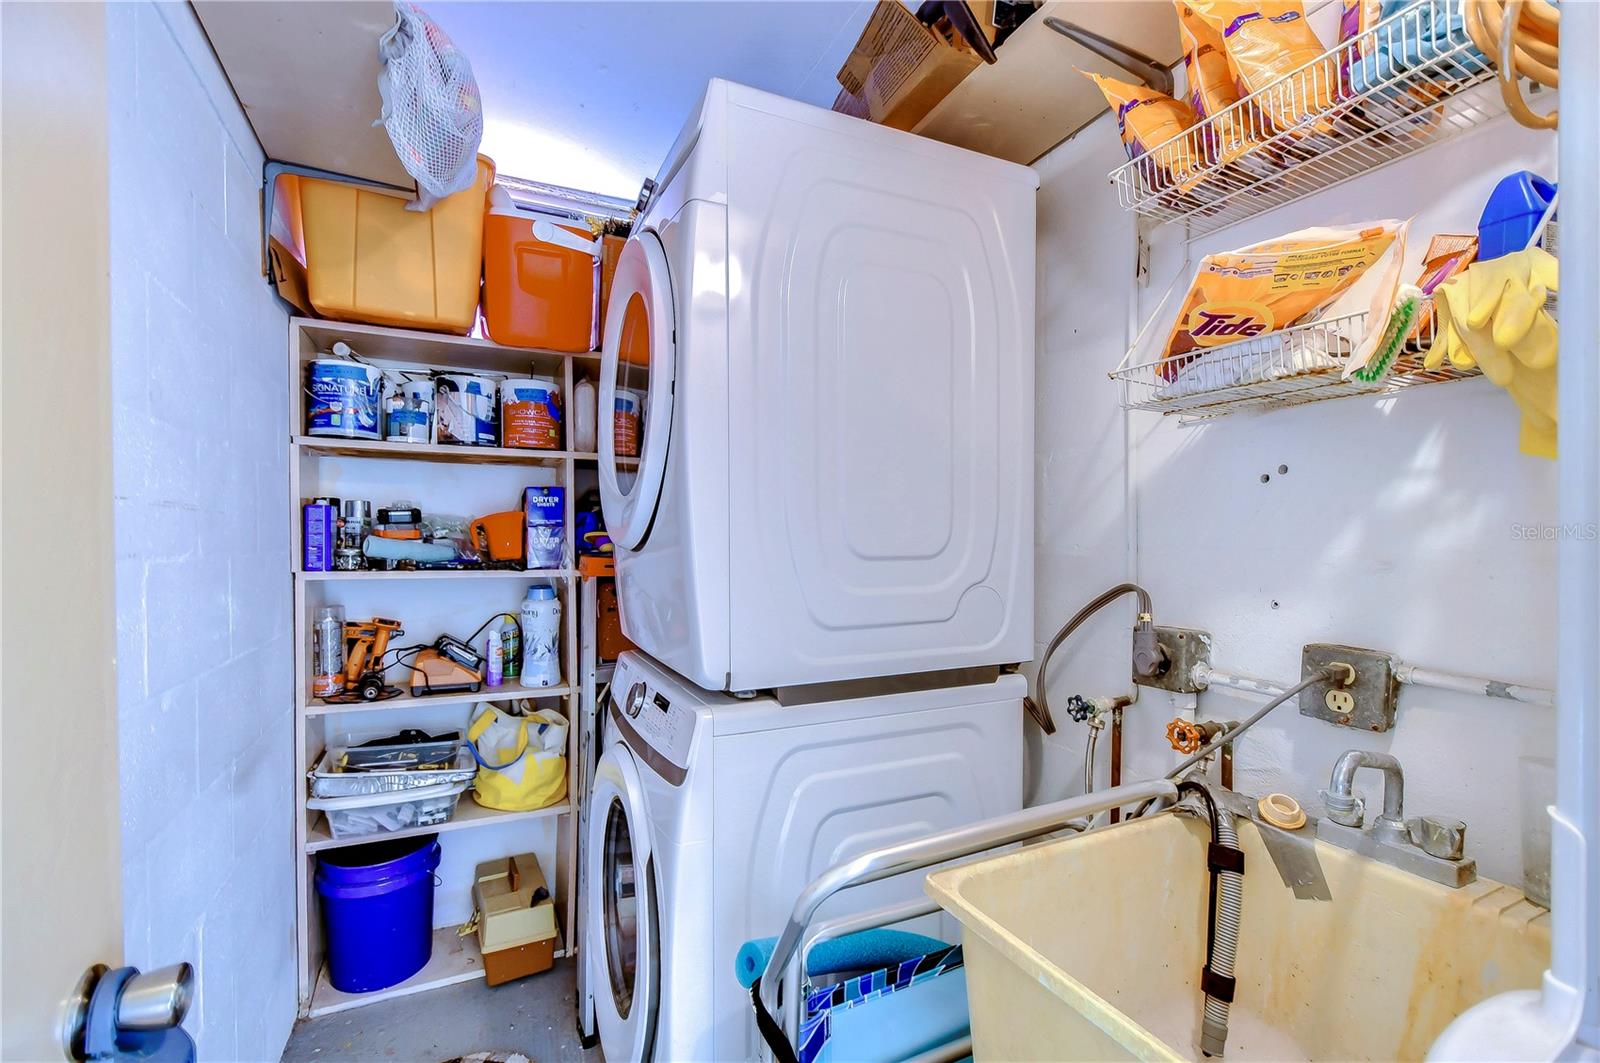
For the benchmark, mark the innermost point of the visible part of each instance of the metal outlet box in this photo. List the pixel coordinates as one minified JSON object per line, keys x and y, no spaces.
{"x":1368,"y":704}
{"x":1187,"y":649}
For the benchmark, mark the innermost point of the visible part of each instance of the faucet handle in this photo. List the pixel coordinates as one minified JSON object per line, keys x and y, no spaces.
{"x":1439,"y":837}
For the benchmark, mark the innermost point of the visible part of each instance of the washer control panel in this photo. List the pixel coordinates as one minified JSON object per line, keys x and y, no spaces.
{"x":667,"y":728}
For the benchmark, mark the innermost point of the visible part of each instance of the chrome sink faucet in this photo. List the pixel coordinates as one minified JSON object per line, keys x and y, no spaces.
{"x":1430,"y":846}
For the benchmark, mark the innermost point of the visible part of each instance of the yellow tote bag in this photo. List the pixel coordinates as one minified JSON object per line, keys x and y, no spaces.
{"x":522,"y":763}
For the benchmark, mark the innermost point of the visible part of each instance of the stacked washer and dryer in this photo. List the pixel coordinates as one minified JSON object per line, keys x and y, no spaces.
{"x":824,"y":537}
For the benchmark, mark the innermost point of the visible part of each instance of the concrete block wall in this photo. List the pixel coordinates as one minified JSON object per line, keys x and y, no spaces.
{"x":204,"y":660}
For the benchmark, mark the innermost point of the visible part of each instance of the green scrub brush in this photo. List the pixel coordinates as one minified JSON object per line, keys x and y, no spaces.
{"x":1407,"y":308}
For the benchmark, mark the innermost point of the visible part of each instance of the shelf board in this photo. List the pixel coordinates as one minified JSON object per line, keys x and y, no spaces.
{"x":455,"y":959}
{"x":505,"y":692}
{"x":436,"y":573}
{"x":332,"y":446}
{"x":468,"y":814}
{"x":440,"y":349}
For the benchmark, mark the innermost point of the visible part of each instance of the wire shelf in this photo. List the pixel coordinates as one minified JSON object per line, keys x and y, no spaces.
{"x":1412,"y":80}
{"x":1290,"y":367}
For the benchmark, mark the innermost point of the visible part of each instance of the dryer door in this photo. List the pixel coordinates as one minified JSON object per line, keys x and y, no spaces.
{"x":637,"y":364}
{"x":623,"y":949}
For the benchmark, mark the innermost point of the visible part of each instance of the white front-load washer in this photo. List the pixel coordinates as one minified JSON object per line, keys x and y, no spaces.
{"x":816,"y":402}
{"x":709,"y":814}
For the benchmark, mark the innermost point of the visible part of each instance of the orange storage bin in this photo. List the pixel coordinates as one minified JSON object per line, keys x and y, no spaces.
{"x":369,"y":259}
{"x":538,"y":292}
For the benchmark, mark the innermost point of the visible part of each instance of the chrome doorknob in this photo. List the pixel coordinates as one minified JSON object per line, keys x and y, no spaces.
{"x":121,"y":1013}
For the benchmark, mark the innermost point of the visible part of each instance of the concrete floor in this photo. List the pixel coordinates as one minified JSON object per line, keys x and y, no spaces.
{"x":534,"y":1016}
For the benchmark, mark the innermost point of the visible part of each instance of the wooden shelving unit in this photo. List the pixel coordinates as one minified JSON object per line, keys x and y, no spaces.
{"x":464,"y":481}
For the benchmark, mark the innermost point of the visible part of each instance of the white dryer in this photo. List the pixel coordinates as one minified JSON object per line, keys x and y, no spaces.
{"x":816,"y":402}
{"x":709,"y":814}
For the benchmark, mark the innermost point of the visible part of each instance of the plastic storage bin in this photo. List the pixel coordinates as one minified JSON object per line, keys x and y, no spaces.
{"x":367,"y":770}
{"x":350,"y":817}
{"x":369,"y":259}
{"x":377,"y":909}
{"x":537,"y":293}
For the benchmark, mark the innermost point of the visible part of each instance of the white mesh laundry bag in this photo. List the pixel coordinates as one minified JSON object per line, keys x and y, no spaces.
{"x":431,"y":108}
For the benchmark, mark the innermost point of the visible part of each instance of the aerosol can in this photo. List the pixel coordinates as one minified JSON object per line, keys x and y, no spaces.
{"x":541,"y":638}
{"x":327,"y":652}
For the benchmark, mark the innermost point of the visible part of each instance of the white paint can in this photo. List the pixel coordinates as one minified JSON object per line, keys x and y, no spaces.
{"x":408,"y":411}
{"x":464,"y":409}
{"x":343,"y":399}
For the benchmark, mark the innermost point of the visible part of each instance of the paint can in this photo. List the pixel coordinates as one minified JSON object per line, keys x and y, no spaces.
{"x":408,"y":411}
{"x":345,"y":397}
{"x":530,"y":413}
{"x":628,"y":422}
{"x":464,"y":409}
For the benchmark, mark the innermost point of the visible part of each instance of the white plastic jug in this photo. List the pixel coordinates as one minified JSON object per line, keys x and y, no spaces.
{"x":541,"y":638}
{"x":584,"y":412}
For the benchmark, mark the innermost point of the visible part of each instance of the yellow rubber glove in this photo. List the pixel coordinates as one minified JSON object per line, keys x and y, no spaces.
{"x":1493,"y":315}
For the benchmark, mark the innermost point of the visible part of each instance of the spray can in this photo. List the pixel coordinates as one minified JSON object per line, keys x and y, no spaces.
{"x":541,"y":638}
{"x":327,"y":652}
{"x":494,"y":667}
{"x":511,"y":649}
{"x":319,"y":534}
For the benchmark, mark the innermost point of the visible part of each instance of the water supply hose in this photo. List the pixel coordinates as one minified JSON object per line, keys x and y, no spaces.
{"x":1522,"y":39}
{"x":1148,"y":658}
{"x":1225,"y":860}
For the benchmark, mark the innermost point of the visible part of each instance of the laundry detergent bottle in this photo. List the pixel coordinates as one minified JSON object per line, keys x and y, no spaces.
{"x":541,"y":638}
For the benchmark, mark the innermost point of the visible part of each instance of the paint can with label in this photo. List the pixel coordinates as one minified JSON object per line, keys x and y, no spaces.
{"x":464,"y":409}
{"x":530,"y":413}
{"x":628,"y":423}
{"x":343,"y":399}
{"x":408,"y":411}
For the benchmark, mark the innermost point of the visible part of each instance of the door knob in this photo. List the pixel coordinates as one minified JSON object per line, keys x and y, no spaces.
{"x":125,"y":1014}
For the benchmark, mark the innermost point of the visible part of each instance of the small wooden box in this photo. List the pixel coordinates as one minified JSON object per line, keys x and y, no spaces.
{"x":516,"y":933}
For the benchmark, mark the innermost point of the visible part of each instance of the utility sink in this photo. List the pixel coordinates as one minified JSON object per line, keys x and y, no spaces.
{"x":1091,"y":948}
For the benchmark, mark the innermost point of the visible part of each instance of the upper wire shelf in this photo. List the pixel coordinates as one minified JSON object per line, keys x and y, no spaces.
{"x":1290,"y":367}
{"x":1412,"y":80}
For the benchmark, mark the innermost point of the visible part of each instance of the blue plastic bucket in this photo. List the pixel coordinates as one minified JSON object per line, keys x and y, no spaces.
{"x":377,"y":908}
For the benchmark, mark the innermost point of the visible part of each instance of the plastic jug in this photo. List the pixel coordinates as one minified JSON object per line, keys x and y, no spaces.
{"x":541,"y":638}
{"x":1512,"y":214}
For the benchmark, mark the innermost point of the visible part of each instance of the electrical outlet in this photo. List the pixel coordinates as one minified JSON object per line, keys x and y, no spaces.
{"x":1367,"y":702}
{"x":1340,"y":701}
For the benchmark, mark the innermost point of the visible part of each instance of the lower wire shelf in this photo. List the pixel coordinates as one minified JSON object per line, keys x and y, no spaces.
{"x":1290,"y":367}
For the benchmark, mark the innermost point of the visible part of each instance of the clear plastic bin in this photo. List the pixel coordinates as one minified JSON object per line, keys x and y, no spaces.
{"x":350,"y":817}
{"x":361,"y":770}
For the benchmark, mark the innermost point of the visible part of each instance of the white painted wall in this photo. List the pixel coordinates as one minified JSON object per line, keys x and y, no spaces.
{"x":203,"y":652}
{"x":1394,"y":528}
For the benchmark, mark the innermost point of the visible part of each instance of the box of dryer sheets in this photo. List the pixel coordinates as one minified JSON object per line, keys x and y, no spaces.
{"x":516,"y":919}
{"x":546,"y":511}
{"x":900,"y":69}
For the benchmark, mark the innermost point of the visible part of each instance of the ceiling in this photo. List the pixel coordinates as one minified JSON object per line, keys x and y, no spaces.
{"x":591,"y":95}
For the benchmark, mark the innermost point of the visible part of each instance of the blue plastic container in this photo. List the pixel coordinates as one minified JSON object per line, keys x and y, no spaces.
{"x":377,"y":908}
{"x":1512,"y":214}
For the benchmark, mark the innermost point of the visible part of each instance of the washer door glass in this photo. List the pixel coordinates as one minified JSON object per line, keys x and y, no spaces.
{"x":638,"y":362}
{"x":620,"y":907}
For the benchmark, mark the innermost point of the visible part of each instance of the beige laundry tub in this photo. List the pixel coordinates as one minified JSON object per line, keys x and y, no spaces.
{"x":1091,"y":948}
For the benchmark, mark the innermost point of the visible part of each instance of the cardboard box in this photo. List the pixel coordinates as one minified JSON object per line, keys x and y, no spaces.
{"x":899,"y":69}
{"x":610,"y":252}
{"x":516,"y":931}
{"x":610,"y":642}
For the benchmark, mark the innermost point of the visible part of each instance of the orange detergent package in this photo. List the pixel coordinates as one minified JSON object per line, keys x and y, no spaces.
{"x":1273,"y":285}
{"x":1154,"y":123}
{"x":1213,"y":90}
{"x":1266,"y":39}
